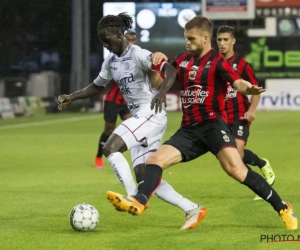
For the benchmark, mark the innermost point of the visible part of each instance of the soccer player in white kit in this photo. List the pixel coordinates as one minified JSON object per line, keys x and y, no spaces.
{"x":128,"y":65}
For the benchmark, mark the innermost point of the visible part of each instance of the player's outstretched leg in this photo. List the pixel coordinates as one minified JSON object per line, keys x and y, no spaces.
{"x":125,"y":203}
{"x":232,"y":164}
{"x":194,"y":217}
{"x":194,"y":212}
{"x":263,"y":164}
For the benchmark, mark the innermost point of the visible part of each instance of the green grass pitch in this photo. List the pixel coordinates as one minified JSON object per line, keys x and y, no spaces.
{"x":46,"y":167}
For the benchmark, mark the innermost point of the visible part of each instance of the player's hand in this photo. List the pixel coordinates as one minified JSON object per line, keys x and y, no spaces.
{"x":158,"y":57}
{"x":255,"y":90}
{"x":249,"y":116}
{"x":158,"y":102}
{"x":63,"y":100}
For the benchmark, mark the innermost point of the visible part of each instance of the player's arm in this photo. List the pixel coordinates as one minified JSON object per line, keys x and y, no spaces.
{"x":248,"y":74}
{"x":170,"y":74}
{"x":143,"y":59}
{"x":244,"y":87}
{"x":155,"y":77}
{"x":93,"y":89}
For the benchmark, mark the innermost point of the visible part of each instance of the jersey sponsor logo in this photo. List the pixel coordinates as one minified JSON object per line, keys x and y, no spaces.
{"x":132,"y":106}
{"x":126,"y":59}
{"x":193,"y":95}
{"x":234,"y":66}
{"x":126,"y":80}
{"x":123,"y":84}
{"x":113,"y":68}
{"x":231,"y":92}
{"x":193,"y":73}
{"x":113,"y":59}
{"x":183,"y":64}
{"x":207,"y":65}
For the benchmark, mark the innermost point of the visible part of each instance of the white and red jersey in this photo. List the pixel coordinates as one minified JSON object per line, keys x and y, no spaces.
{"x":129,"y":71}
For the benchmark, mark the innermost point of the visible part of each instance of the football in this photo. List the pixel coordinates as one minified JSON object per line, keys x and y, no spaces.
{"x":84,"y":217}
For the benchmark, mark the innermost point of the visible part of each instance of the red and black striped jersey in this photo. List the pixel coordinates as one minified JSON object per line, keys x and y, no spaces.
{"x":114,"y":95}
{"x":237,"y":104}
{"x":203,"y":86}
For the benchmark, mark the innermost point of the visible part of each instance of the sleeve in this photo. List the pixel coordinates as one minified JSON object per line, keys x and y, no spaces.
{"x":143,"y":59}
{"x":104,"y":76}
{"x":248,"y":74}
{"x":227,"y":72}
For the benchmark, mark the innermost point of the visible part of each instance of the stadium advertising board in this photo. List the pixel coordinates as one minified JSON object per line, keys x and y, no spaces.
{"x":273,"y":57}
{"x":281,"y":94}
{"x":228,"y":9}
{"x":276,"y":3}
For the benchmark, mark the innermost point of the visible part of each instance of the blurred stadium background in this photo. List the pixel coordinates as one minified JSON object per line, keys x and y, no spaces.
{"x":50,"y":47}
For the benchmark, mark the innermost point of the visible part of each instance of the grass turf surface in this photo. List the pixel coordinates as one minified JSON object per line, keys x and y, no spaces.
{"x":46,"y":167}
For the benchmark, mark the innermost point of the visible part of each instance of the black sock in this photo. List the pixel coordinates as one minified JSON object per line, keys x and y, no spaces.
{"x":253,"y":159}
{"x":259,"y":186}
{"x":150,"y":182}
{"x":103,"y":138}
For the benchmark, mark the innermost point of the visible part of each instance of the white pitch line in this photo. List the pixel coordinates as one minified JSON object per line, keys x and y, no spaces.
{"x":32,"y":124}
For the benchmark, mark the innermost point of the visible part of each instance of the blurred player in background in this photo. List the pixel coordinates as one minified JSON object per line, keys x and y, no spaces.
{"x":240,"y":112}
{"x":114,"y":105}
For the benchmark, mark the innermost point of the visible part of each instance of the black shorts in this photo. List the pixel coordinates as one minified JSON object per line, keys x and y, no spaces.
{"x":197,"y":140}
{"x":240,"y":130}
{"x":112,"y":110}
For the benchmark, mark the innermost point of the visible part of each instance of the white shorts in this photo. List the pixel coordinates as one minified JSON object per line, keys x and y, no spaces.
{"x":142,"y":134}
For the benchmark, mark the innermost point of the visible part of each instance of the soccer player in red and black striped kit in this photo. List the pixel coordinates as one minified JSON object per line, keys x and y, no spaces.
{"x":240,"y":111}
{"x":202,"y":74}
{"x":114,"y":105}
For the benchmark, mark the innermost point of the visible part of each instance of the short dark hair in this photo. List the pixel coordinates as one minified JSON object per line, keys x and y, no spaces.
{"x":201,"y":23}
{"x":116,"y":23}
{"x":226,"y":29}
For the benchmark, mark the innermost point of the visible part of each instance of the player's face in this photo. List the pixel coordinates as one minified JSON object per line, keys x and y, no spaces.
{"x":225,"y":43}
{"x":131,"y":38}
{"x":111,"y":41}
{"x":195,"y":41}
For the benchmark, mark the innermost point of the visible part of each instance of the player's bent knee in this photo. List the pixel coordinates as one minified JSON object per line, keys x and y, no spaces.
{"x":237,"y":171}
{"x":232,"y":164}
{"x":241,"y":152}
{"x":165,"y":157}
{"x":240,"y":147}
{"x":114,"y":144}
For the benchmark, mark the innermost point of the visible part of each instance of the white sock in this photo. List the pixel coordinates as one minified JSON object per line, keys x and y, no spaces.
{"x":167,"y":193}
{"x":122,"y":171}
